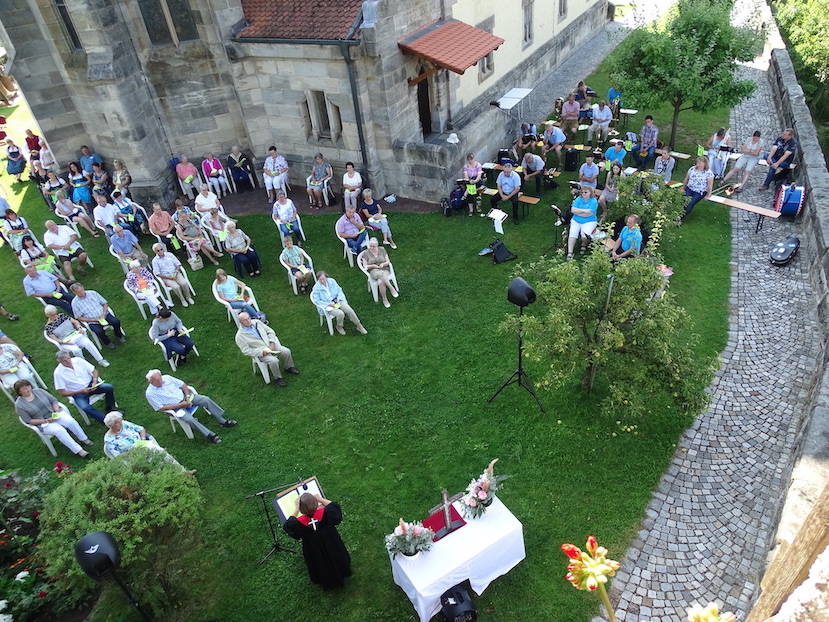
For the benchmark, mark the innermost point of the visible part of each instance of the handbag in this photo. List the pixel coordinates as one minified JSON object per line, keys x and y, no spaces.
{"x":196,"y":262}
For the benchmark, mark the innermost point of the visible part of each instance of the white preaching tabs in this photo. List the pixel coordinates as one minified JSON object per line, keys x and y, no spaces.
{"x":498,"y":218}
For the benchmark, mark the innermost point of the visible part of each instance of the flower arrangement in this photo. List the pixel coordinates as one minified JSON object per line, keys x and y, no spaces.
{"x":481,"y":491}
{"x":589,"y":570}
{"x":409,"y":538}
{"x":62,"y":469}
{"x":711,"y":613}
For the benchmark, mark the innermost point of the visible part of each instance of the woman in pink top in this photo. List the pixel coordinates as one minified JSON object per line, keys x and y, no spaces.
{"x":189,"y":176}
{"x":214,"y":173}
{"x":473,"y":173}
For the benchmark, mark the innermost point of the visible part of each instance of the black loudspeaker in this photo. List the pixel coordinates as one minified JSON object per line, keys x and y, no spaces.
{"x":456,"y":606}
{"x":520,"y":293}
{"x":97,"y":553}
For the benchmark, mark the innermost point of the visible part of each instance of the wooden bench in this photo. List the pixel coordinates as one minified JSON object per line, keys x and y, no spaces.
{"x":762,"y":212}
{"x":680,"y":156}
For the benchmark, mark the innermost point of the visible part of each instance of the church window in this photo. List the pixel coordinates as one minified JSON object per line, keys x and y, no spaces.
{"x":168,"y":21}
{"x":486,"y":66}
{"x":562,"y":9}
{"x":323,"y":116}
{"x":527,"y":37}
{"x":68,"y":27}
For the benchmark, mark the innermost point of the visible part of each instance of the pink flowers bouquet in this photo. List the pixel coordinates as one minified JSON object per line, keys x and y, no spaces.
{"x":481,"y":491}
{"x":589,"y":570}
{"x":409,"y":539}
{"x":62,"y":468}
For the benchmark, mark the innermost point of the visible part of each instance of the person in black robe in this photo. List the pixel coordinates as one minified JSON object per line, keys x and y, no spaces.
{"x":315,"y":522}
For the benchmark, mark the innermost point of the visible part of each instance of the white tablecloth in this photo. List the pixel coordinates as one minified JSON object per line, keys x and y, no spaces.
{"x":481,"y":551}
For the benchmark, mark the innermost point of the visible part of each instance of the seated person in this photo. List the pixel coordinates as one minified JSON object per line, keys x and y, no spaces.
{"x":376,"y":261}
{"x":584,"y":220}
{"x":167,"y":267}
{"x":698,"y":183}
{"x":230,"y":290}
{"x":100,"y":180}
{"x":168,"y":394}
{"x":473,"y":174}
{"x":372,"y":214}
{"x":554,"y":138}
{"x":241,"y":169}
{"x":327,"y":294}
{"x":238,"y":244}
{"x":75,"y":378}
{"x":215,"y":221}
{"x":67,"y":209}
{"x":781,"y":155}
{"x":610,"y":192}
{"x":320,"y":172}
{"x":643,"y":150}
{"x":589,"y":172}
{"x":584,"y":94}
{"x":44,"y":285}
{"x":206,"y":200}
{"x":90,"y":307}
{"x":64,"y":242}
{"x":295,"y":261}
{"x":15,"y":228}
{"x":717,"y":158}
{"x":12,"y":367}
{"x":140,"y":282}
{"x":33,"y":254}
{"x":260,"y":342}
{"x":616,"y":153}
{"x":533,"y":169}
{"x":570,"y":115}
{"x":70,"y":334}
{"x":350,"y":228}
{"x":602,"y":116}
{"x":526,"y":138}
{"x":123,"y":436}
{"x":214,"y":173}
{"x":352,"y":185}
{"x":35,"y":406}
{"x":107,"y":216}
{"x":630,"y":239}
{"x":748,"y":160}
{"x":188,"y":175}
{"x":664,"y":165}
{"x":169,"y":331}
{"x":274,"y":172}
{"x":284,"y":214}
{"x":126,"y":246}
{"x":163,"y":226}
{"x":509,"y":185}
{"x":195,"y":238}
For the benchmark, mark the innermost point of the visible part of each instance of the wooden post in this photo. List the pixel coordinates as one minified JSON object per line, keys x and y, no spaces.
{"x":791,"y":565}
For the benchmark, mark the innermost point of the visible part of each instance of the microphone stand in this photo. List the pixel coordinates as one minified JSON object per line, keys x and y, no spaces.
{"x":275,"y":545}
{"x":519,"y":376}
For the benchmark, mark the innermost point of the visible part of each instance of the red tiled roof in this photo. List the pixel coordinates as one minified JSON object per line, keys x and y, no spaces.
{"x":309,"y":19}
{"x":450,"y":44}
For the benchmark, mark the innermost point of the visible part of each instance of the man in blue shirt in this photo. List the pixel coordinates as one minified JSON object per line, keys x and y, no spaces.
{"x":589,"y":172}
{"x":88,"y":159}
{"x":509,"y":184}
{"x":615,"y":153}
{"x":781,"y":155}
{"x":44,"y":285}
{"x":533,"y":169}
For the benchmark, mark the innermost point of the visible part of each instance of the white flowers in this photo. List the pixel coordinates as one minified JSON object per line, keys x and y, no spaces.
{"x":21,"y":576}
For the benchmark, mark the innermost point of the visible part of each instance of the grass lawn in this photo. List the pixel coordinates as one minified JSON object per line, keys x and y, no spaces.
{"x":385,"y":421}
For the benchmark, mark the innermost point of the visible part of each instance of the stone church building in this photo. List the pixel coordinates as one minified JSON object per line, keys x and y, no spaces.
{"x":380,"y":83}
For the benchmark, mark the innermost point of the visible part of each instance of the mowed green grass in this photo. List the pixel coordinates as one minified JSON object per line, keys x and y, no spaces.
{"x":386,"y":420}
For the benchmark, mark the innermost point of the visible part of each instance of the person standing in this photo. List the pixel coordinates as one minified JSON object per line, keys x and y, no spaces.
{"x":315,"y":521}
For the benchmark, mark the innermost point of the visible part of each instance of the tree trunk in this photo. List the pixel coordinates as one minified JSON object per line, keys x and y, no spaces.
{"x":677,"y":106}
{"x":587,"y":377}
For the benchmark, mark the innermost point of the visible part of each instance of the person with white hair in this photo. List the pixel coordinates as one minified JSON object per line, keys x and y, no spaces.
{"x":140,"y":282}
{"x":167,"y":267}
{"x":188,"y":175}
{"x":75,"y":378}
{"x":64,"y":242}
{"x":70,"y":334}
{"x":11,"y":365}
{"x":90,"y":307}
{"x":168,"y":394}
{"x":327,"y":294}
{"x":260,"y":342}
{"x":214,"y":173}
{"x":238,"y":244}
{"x":126,"y":246}
{"x":37,"y":407}
{"x":376,"y":261}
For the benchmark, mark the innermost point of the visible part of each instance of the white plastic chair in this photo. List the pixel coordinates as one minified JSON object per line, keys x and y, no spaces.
{"x":43,"y":436}
{"x":124,"y":266}
{"x":232,"y":182}
{"x":292,"y":280}
{"x":62,"y":346}
{"x":223,"y":190}
{"x":60,"y":261}
{"x":326,"y":190}
{"x":171,"y":414}
{"x":374,"y":286}
{"x":170,"y":360}
{"x":233,"y":314}
{"x":265,"y":369}
{"x":213,"y":234}
{"x":168,"y":291}
{"x":323,"y":312}
{"x":37,"y":380}
{"x":282,"y":235}
{"x":142,"y":303}
{"x":347,"y":254}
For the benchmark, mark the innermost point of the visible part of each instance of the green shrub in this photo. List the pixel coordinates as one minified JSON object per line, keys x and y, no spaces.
{"x":148,"y":504}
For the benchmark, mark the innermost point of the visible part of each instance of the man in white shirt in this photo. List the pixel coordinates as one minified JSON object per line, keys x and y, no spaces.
{"x":106,"y":215}
{"x":602,"y":116}
{"x":63,"y":240}
{"x":79,"y":380}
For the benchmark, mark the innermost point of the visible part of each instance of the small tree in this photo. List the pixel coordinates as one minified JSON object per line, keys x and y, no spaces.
{"x":689,"y":61}
{"x":587,"y":325}
{"x":148,"y":504}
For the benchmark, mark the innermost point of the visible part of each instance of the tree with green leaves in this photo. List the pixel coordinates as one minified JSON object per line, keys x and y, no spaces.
{"x":593,"y":317}
{"x":688,"y":61}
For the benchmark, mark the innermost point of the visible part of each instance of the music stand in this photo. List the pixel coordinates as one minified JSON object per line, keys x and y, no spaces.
{"x":275,"y":545}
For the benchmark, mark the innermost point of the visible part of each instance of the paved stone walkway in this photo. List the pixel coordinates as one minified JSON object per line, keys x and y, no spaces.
{"x":712,"y":520}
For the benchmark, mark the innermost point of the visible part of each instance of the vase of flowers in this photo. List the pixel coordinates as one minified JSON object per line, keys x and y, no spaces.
{"x":481,"y":492}
{"x":409,"y":539}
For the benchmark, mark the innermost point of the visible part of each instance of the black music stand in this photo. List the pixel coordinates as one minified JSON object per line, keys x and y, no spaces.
{"x":275,"y":545}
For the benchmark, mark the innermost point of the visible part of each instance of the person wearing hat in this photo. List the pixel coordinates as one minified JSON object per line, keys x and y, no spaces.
{"x":509,"y":184}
